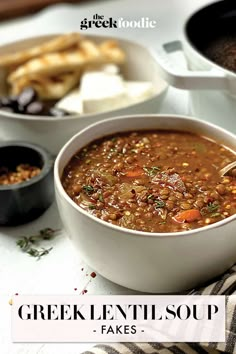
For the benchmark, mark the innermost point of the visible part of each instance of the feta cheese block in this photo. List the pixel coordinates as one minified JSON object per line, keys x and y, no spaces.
{"x":102,"y":91}
{"x":139,"y":91}
{"x":72,"y":102}
{"x":111,"y":69}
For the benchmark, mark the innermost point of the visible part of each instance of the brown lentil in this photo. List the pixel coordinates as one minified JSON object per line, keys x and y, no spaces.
{"x":23,"y":172}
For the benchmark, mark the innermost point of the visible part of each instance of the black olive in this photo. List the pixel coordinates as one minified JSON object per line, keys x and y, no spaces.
{"x":15,"y":105}
{"x":35,"y":108}
{"x":20,"y":109}
{"x":27,"y":96}
{"x":9,"y":102}
{"x":13,"y":98}
{"x":5,"y":102}
{"x":57,"y":112}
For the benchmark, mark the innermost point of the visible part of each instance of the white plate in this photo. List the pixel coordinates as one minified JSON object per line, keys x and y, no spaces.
{"x":52,"y":132}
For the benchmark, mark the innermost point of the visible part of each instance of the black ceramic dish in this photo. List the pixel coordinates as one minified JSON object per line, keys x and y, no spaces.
{"x":24,"y":202}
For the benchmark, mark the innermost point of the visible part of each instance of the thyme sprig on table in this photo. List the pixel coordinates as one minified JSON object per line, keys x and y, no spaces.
{"x":30,"y":244}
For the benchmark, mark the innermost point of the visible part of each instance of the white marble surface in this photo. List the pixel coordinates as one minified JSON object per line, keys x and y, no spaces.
{"x":60,"y":271}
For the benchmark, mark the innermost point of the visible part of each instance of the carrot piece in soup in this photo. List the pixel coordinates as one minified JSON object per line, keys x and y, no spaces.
{"x":134,"y":173}
{"x":188,"y":216}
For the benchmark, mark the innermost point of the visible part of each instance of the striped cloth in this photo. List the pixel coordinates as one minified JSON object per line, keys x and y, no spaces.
{"x":225,"y":285}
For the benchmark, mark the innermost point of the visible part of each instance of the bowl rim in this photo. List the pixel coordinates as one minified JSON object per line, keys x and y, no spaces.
{"x":47,"y":164}
{"x":164,"y":84}
{"x":62,"y":193}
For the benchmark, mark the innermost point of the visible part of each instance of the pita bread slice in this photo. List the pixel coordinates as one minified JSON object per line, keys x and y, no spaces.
{"x":87,"y":53}
{"x":48,"y":87}
{"x":54,"y":45}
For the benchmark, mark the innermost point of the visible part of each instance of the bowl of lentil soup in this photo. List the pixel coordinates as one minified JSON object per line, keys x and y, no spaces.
{"x":143,"y":202}
{"x":26,"y":182}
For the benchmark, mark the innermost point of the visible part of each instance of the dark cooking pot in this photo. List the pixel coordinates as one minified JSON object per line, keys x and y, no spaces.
{"x":212,"y":86}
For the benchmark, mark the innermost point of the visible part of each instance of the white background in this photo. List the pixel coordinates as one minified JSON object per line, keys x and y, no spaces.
{"x":60,"y":271}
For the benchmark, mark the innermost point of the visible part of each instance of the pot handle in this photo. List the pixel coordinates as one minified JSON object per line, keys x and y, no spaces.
{"x":189,"y":80}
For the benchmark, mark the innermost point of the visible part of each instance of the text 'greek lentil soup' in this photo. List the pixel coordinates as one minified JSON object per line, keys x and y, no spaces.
{"x":153,"y":181}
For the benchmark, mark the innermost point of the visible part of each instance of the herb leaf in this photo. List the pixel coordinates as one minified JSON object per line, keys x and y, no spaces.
{"x":212,"y":207}
{"x":26,"y":243}
{"x":47,"y":233}
{"x":151,"y":171}
{"x":34,"y":252}
{"x":92,"y":206}
{"x":100,"y":198}
{"x":159,"y":204}
{"x":88,"y":189}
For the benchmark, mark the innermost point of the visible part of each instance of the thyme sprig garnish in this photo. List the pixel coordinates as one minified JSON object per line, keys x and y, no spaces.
{"x":100,"y":198}
{"x":151,"y":171}
{"x":30,"y":244}
{"x":88,"y":189}
{"x":159,"y":203}
{"x":212,"y":207}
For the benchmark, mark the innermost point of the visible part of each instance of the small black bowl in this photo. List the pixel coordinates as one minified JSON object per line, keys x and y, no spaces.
{"x":25,"y":201}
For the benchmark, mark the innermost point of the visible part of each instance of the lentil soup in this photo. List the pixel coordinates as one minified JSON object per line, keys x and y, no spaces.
{"x":153,"y":181}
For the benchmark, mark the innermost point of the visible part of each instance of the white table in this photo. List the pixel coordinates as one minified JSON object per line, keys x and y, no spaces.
{"x":60,"y":272}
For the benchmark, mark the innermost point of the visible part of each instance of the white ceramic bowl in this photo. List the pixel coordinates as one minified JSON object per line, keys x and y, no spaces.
{"x":52,"y":132}
{"x":150,"y":262}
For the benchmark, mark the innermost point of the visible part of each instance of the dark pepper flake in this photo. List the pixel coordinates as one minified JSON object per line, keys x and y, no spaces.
{"x":93,"y":275}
